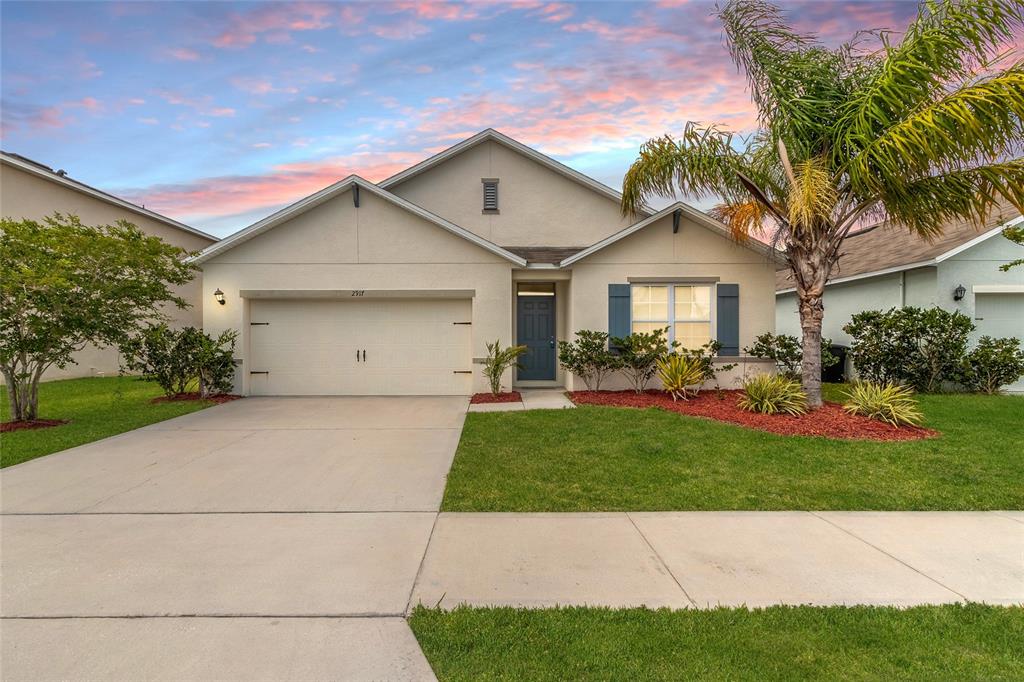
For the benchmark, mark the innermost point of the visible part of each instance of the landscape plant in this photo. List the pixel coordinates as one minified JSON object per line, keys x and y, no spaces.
{"x":992,"y":364}
{"x":889,"y":402}
{"x":639,"y":353}
{"x":773,"y":394}
{"x":498,"y":361}
{"x":785,"y":350}
{"x":922,"y":347}
{"x":681,"y":375}
{"x":588,"y":357}
{"x":64,"y":285}
{"x":182,"y":360}
{"x":915,"y":131}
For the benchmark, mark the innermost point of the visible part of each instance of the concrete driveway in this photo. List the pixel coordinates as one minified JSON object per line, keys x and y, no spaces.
{"x":285,"y":534}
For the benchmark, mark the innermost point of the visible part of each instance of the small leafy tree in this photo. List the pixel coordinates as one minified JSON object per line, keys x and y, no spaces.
{"x":922,"y":347}
{"x":993,"y":363}
{"x":179,"y":360}
{"x":785,"y":350}
{"x":639,"y":354}
{"x":64,"y":285}
{"x":588,"y":357}
{"x":498,"y":360}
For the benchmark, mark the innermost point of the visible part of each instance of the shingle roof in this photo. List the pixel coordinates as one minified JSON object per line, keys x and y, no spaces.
{"x":893,"y":246}
{"x":552,"y":255}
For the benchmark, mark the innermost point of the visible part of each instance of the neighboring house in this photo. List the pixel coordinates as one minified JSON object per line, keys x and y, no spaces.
{"x":397,"y":287}
{"x":890,"y":268}
{"x":29,"y":189}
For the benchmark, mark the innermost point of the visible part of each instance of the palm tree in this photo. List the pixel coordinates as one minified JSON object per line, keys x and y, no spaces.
{"x":918,"y":131}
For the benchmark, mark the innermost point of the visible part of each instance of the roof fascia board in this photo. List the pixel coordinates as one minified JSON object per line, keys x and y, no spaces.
{"x":868,"y":275}
{"x":694,"y":214}
{"x":101,"y":195}
{"x":336,"y":189}
{"x":493,"y":135}
{"x":979,"y":239}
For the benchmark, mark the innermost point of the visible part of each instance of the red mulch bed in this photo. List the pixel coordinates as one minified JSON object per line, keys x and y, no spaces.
{"x":830,"y":421}
{"x":179,"y":397}
{"x":510,"y":397}
{"x":6,"y":427}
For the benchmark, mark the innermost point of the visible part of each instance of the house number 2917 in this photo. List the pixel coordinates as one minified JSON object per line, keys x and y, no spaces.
{"x":358,"y":292}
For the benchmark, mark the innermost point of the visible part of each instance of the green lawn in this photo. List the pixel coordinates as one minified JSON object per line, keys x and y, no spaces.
{"x":954,"y":642}
{"x":612,"y":459}
{"x":95,"y":407}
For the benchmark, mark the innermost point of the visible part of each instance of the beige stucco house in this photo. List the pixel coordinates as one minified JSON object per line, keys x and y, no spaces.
{"x":31,"y":190}
{"x":397,"y":287}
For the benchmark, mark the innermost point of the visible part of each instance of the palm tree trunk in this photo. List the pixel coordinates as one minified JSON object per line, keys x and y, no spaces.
{"x":811,"y":313}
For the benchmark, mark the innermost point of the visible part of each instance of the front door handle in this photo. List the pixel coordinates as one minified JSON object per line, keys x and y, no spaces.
{"x":552,"y":342}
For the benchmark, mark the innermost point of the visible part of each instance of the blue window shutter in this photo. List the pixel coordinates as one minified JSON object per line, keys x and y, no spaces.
{"x":618,"y":310}
{"x":729,"y":318}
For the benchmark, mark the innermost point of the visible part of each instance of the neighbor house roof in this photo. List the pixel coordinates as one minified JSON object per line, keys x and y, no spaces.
{"x":60,"y":177}
{"x":893,"y":248}
{"x":492,"y":135}
{"x":334,"y":190}
{"x":690,"y":212}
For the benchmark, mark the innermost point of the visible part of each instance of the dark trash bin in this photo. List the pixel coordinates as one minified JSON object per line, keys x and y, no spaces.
{"x":836,"y":374}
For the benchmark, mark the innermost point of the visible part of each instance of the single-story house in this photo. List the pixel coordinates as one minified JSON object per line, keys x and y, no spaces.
{"x":396,"y":287}
{"x":31,"y":190}
{"x":888,"y":268}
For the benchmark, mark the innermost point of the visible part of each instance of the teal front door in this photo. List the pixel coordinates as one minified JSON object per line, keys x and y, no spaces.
{"x":535,"y":329}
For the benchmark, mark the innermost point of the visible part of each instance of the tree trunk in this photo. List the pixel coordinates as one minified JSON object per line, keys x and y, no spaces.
{"x":13,"y":395}
{"x":23,"y":391}
{"x":811,"y":313}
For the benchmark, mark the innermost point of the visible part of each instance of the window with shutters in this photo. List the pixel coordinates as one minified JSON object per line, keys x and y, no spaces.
{"x":684,"y":309}
{"x":490,"y":186}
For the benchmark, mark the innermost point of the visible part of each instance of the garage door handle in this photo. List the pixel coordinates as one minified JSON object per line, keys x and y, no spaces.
{"x":357,"y":356}
{"x":364,"y":356}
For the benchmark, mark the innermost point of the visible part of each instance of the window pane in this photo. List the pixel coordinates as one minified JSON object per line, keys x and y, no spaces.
{"x":647,"y":327}
{"x":693,"y":335}
{"x":693,"y":303}
{"x":650,"y":303}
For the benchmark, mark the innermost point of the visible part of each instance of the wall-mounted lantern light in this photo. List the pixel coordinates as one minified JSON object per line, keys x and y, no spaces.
{"x":959,"y":293}
{"x":219,"y":295}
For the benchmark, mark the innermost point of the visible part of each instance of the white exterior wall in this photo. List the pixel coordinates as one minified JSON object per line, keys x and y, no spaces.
{"x":538,"y":207}
{"x":694,"y":252}
{"x":378,"y":248}
{"x":26,"y":195}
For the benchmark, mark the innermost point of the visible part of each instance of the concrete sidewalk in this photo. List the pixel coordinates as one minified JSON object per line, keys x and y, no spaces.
{"x":706,"y":559}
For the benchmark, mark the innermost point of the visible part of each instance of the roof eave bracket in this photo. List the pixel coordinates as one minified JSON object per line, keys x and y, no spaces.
{"x":355,"y":194}
{"x":676,"y":215}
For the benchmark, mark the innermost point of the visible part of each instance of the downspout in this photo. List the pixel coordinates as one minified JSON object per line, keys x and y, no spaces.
{"x":903,"y":288}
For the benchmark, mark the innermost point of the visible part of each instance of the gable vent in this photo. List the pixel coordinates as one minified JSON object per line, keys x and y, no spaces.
{"x":490,"y":195}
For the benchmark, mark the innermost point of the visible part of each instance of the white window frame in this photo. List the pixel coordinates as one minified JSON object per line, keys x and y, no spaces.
{"x":671,"y":322}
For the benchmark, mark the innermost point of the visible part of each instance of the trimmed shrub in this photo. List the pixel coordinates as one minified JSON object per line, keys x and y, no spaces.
{"x":639,"y":354}
{"x":680,"y":372}
{"x":787,"y":352}
{"x":180,"y":360}
{"x":770,"y":394}
{"x":498,"y":360}
{"x":588,"y":357}
{"x":992,"y":364}
{"x":920,"y":347}
{"x":887,"y":402}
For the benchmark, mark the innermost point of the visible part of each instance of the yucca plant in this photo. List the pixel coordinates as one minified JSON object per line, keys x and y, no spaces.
{"x":918,"y":130}
{"x":681,"y":375}
{"x":772,"y":394}
{"x":498,"y":360}
{"x":889,"y":403}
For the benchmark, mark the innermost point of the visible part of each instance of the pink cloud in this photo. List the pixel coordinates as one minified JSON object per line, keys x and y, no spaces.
{"x":184,"y":54}
{"x":273,"y":23}
{"x":556,"y":12}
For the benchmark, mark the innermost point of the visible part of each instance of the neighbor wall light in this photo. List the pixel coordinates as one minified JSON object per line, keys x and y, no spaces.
{"x":219,"y":295}
{"x":959,"y":293}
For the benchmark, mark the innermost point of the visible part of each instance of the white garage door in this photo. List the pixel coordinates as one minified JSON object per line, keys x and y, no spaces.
{"x":1000,"y":315}
{"x":362,"y":347}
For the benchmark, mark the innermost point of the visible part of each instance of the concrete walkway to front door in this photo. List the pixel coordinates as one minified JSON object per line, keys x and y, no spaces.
{"x":265,"y":538}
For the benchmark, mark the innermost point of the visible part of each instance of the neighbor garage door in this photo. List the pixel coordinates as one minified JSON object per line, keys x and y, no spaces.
{"x":361,"y":347}
{"x":1000,"y":315}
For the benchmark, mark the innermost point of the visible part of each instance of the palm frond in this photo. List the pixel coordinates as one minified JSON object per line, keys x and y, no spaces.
{"x":925,"y":204}
{"x":948,"y":42}
{"x":743,"y":218}
{"x":812,"y":195}
{"x":980,"y":120}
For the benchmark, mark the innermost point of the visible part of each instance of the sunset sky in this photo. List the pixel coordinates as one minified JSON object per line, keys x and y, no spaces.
{"x":219,"y":113}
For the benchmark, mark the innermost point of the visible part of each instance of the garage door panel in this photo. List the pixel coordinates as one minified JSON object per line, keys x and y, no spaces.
{"x":1000,"y":315}
{"x":412,"y":347}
